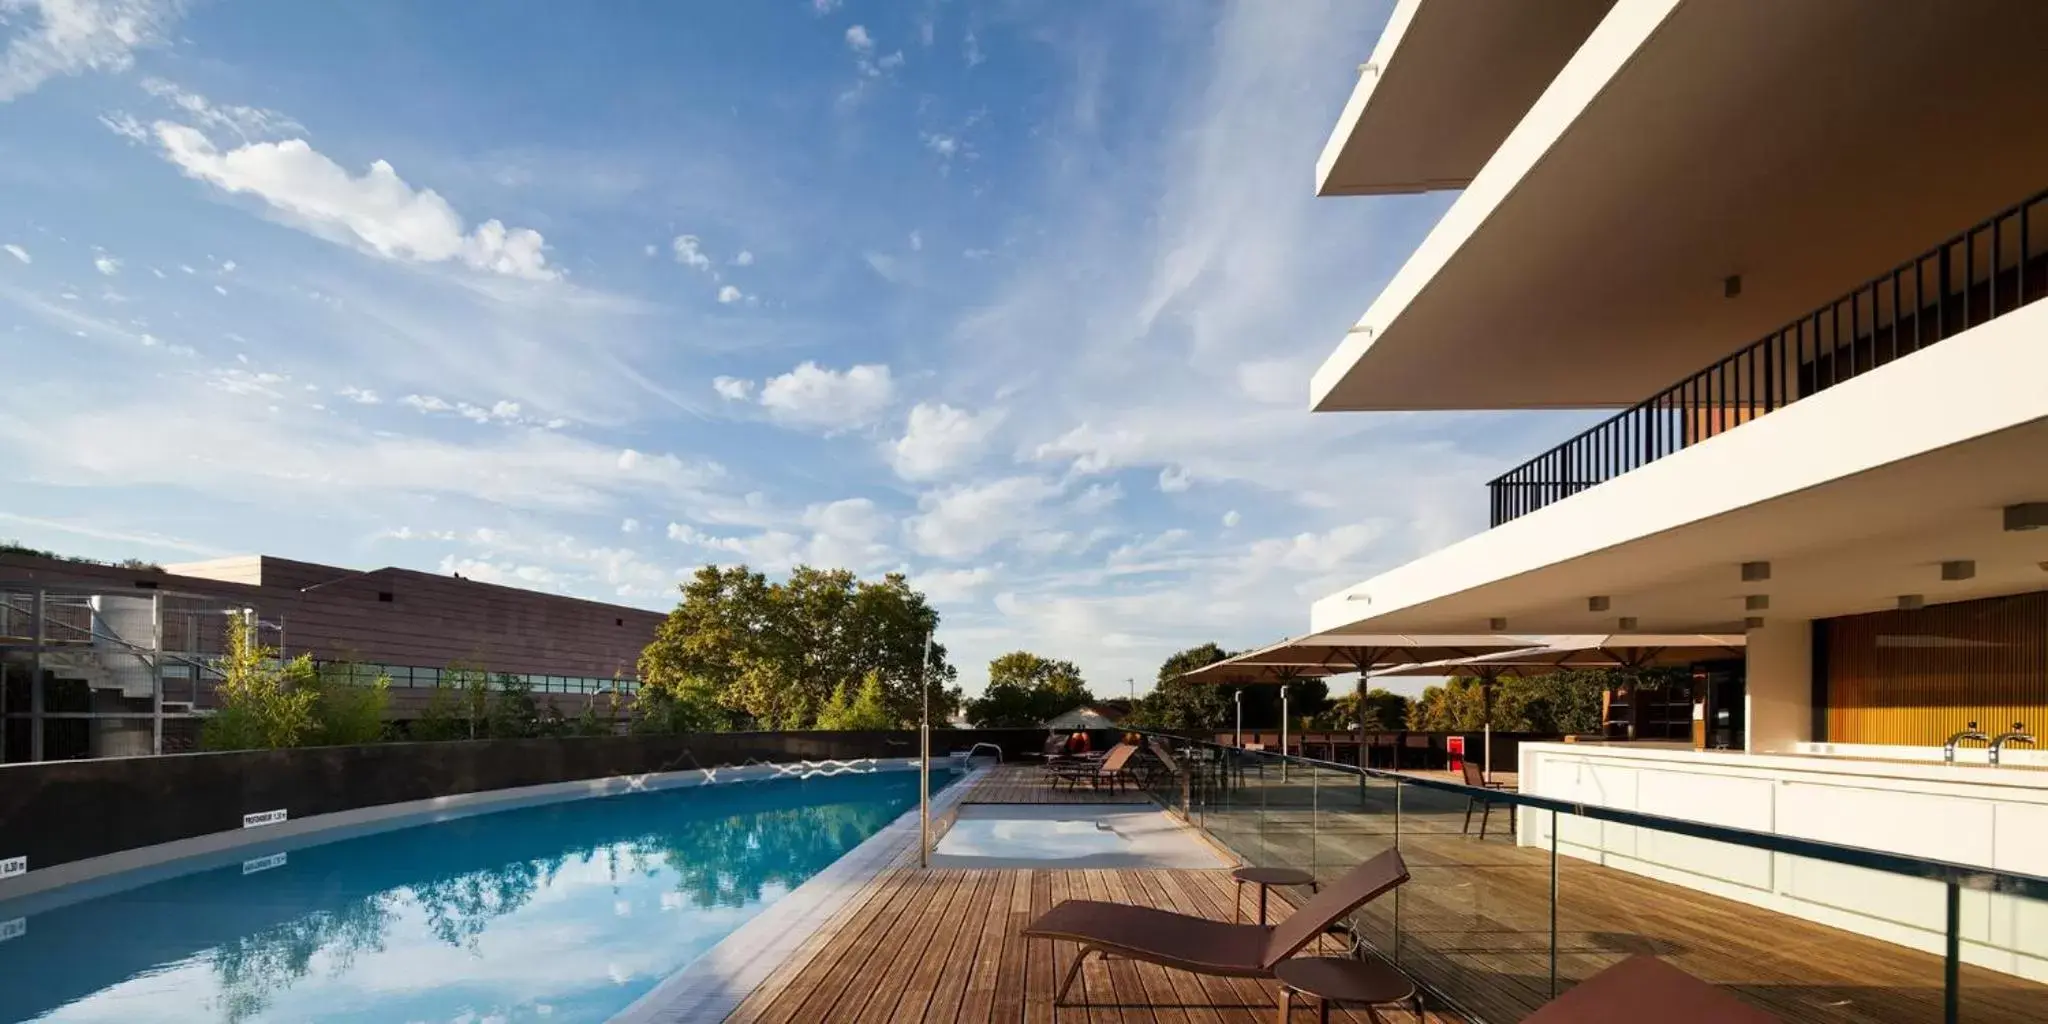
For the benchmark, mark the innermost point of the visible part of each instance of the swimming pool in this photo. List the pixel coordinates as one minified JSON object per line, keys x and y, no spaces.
{"x":561,"y":913}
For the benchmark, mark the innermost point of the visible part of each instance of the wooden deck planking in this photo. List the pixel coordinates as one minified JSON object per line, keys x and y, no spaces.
{"x":894,"y":959}
{"x":1029,"y":784}
{"x":1475,"y":922}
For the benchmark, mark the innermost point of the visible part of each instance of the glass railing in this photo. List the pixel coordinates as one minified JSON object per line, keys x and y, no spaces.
{"x":1513,"y":899}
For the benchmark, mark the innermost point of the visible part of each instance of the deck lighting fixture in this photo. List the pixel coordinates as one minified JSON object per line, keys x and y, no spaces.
{"x":1756,"y":602}
{"x":1960,"y":569}
{"x":1756,"y":572}
{"x":1501,"y":625}
{"x":1731,"y":286}
{"x":1911,"y":602}
{"x":1753,"y":622}
{"x":2027,"y":515}
{"x":1628,"y":623}
{"x":1596,"y":604}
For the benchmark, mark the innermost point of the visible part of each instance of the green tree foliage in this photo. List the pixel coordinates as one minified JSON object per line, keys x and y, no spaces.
{"x":348,"y":705}
{"x":866,"y":709}
{"x":1024,"y":690}
{"x":514,"y":714}
{"x":1385,"y":711}
{"x":1562,"y":702}
{"x":263,"y":705}
{"x":1175,"y":703}
{"x":689,"y":704}
{"x":1455,"y":706}
{"x":777,"y":651}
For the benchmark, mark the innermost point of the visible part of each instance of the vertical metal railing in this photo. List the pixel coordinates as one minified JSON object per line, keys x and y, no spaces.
{"x":1954,"y":287}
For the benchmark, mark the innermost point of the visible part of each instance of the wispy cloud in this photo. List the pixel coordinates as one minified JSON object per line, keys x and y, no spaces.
{"x":55,"y":38}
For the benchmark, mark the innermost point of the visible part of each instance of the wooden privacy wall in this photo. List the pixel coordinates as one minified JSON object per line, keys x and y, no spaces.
{"x":1914,"y":677}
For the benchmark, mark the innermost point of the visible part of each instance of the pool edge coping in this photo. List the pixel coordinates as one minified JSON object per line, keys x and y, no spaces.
{"x":712,"y":986}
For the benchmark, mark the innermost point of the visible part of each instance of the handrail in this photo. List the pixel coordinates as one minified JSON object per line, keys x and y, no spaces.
{"x":1962,"y":875}
{"x":1807,"y":355}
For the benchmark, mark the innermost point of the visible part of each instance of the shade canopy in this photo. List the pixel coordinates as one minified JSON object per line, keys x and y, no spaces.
{"x":1613,"y":650}
{"x":1319,"y":655}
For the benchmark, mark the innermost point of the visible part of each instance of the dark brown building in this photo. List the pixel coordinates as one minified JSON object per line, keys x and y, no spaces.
{"x":124,"y":649}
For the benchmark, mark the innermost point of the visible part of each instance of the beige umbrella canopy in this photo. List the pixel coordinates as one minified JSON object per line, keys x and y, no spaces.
{"x":1612,"y":650}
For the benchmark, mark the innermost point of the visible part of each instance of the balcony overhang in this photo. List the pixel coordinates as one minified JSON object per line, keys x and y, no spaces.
{"x":1854,"y":498}
{"x":1800,"y":147}
{"x":1445,"y":84}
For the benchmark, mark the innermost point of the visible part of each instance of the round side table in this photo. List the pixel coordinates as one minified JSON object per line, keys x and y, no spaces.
{"x":1368,"y":983}
{"x":1266,"y":878}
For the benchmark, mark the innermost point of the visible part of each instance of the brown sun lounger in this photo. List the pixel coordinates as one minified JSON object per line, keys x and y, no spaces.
{"x":1202,"y":946}
{"x":1644,"y":988}
{"x":1113,"y":769}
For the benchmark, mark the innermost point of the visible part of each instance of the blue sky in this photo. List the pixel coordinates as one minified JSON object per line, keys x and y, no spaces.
{"x":1021,"y":299}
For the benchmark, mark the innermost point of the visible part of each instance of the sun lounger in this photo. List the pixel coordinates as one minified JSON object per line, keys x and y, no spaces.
{"x":1202,"y":946}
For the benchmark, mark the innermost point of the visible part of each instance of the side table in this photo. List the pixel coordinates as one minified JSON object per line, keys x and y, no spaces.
{"x":1369,"y":983}
{"x":1266,"y":878}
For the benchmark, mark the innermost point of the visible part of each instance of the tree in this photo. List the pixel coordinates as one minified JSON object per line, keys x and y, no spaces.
{"x":777,"y":651}
{"x":1024,"y":690}
{"x":869,"y":709}
{"x":1455,"y":706}
{"x":514,"y":714}
{"x":686,"y":705}
{"x":1179,"y":704}
{"x":1385,"y":711}
{"x":263,"y":704}
{"x":348,"y":705}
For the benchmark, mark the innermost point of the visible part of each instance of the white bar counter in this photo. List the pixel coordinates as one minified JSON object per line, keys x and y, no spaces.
{"x":1966,"y":813}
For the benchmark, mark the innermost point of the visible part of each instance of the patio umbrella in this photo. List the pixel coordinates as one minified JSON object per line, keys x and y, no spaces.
{"x":1328,"y":654}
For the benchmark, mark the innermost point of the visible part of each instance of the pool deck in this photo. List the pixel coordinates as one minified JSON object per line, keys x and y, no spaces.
{"x":1028,"y":783}
{"x":943,"y":944}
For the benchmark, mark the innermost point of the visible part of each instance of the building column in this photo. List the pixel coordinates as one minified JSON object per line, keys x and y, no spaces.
{"x":1778,"y":682}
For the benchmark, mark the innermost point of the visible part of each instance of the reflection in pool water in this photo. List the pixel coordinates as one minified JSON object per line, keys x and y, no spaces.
{"x":566,"y":912}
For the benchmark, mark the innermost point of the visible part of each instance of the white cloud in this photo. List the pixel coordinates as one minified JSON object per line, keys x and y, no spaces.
{"x":744,"y":259}
{"x":71,"y":37}
{"x":219,"y":290}
{"x":939,"y":438}
{"x":893,"y":59}
{"x":960,"y":522}
{"x":824,"y":6}
{"x":954,"y":586}
{"x":1174,"y":479}
{"x":17,"y":252}
{"x":858,"y":40}
{"x":733,"y":389}
{"x":728,"y":295}
{"x":944,"y":145}
{"x":832,"y":400}
{"x":248,"y":122}
{"x":362,"y":396}
{"x":690,"y":252}
{"x":1231,"y":519}
{"x":629,"y":526}
{"x":427,"y":403}
{"x":107,"y":265}
{"x":970,"y":50}
{"x":917,"y":241}
{"x":1098,"y":497}
{"x":378,"y":209}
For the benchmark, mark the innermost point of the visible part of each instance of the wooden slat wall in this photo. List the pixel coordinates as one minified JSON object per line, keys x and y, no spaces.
{"x":1915,"y":677}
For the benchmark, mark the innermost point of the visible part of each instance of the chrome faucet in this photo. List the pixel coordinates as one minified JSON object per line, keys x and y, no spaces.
{"x":1948,"y":749}
{"x":2017,"y":735}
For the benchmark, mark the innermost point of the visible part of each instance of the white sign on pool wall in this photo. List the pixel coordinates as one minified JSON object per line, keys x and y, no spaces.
{"x":263,"y":818}
{"x":275,"y":860}
{"x":13,"y":866}
{"x":13,"y":929}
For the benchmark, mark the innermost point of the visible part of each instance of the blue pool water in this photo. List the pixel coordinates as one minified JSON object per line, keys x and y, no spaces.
{"x":561,"y":913}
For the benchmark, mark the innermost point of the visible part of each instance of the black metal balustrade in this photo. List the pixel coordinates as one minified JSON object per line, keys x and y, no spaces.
{"x":1987,"y":271}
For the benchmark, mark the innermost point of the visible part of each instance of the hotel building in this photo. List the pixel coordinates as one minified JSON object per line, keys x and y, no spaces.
{"x":1794,"y":250}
